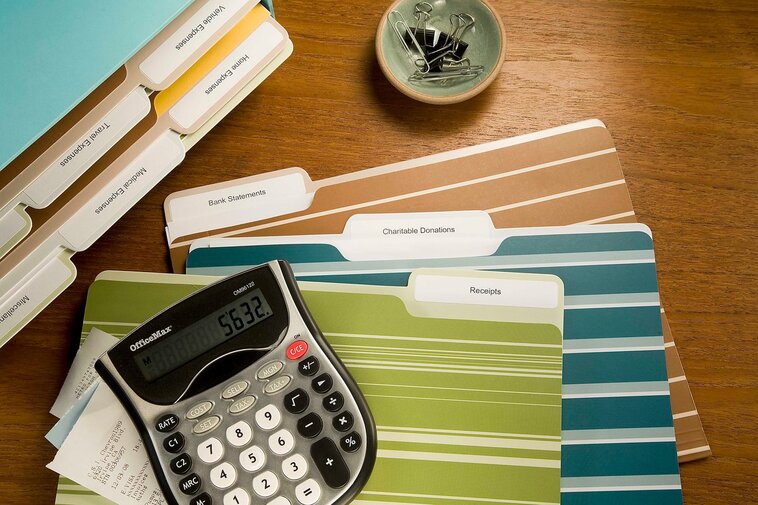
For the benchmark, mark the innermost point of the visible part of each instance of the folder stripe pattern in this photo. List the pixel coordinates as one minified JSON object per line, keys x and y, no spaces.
{"x":475,"y":402}
{"x":618,"y":434}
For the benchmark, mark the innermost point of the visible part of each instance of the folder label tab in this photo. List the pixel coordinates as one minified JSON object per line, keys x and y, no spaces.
{"x":10,"y":224}
{"x":90,"y":147}
{"x":131,"y":184}
{"x":198,"y":29}
{"x":232,"y":70}
{"x":482,"y":290}
{"x":14,"y":311}
{"x":426,"y":225}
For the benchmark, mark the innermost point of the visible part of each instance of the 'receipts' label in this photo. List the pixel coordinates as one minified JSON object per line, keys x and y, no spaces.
{"x":487,"y":291}
{"x":209,"y":20}
{"x":124,"y":190}
{"x":79,"y":157}
{"x":236,"y":68}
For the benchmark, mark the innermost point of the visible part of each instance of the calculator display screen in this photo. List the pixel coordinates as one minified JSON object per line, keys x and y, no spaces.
{"x":212,"y":330}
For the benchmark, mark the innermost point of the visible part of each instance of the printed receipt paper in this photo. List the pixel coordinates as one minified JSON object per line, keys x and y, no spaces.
{"x":464,"y":385}
{"x":56,"y":160}
{"x":562,"y":176}
{"x":616,"y":403}
{"x":39,"y":268}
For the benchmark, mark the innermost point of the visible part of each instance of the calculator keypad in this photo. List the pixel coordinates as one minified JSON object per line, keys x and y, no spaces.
{"x":281,"y":438}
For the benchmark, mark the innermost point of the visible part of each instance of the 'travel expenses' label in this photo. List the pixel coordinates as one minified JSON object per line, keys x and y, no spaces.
{"x":487,"y":291}
{"x":198,"y":29}
{"x":234,"y":69}
{"x":89,"y":148}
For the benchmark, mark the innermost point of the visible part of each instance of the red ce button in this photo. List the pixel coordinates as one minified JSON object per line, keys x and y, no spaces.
{"x":297,"y":349}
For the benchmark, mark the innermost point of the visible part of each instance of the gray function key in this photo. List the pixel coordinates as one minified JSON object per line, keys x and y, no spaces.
{"x":269,"y":370}
{"x":277,"y":385}
{"x":234,"y":389}
{"x":167,"y":423}
{"x":206,"y":425}
{"x":242,"y":405}
{"x":199,"y":410}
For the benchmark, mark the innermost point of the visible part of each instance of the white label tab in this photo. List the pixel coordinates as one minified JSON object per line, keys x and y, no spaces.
{"x":238,"y":198}
{"x":79,"y":157}
{"x":131,"y":184}
{"x":414,"y":225}
{"x":188,"y":38}
{"x":477,"y":290}
{"x":237,"y":67}
{"x":26,"y":302}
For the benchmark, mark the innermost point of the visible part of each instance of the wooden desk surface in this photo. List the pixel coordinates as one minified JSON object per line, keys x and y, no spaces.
{"x":674,"y":80}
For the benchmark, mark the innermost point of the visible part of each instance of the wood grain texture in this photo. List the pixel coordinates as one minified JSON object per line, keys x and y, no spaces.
{"x":676,"y":83}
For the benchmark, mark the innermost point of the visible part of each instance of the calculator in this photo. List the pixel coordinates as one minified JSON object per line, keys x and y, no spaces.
{"x":240,"y":400}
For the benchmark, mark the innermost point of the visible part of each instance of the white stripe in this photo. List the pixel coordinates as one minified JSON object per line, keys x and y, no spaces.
{"x":453,"y":367}
{"x":677,"y":379}
{"x":498,"y":391}
{"x":556,"y":196}
{"x":111,"y":323}
{"x":460,"y":432}
{"x":669,"y":344}
{"x":446,"y":340}
{"x":548,"y":360}
{"x":685,"y":414}
{"x":407,"y":196}
{"x":501,"y":443}
{"x":618,"y":394}
{"x":347,"y":347}
{"x":685,"y":452}
{"x":614,"y":349}
{"x":457,"y":498}
{"x":618,"y":441}
{"x":465,"y":372}
{"x":606,"y":218}
{"x":661,"y":487}
{"x":458,"y":400}
{"x":468,"y":458}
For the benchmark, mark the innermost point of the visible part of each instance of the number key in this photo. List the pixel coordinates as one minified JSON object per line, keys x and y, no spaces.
{"x":239,"y":434}
{"x":295,"y":467}
{"x":252,"y":459}
{"x":281,"y":442}
{"x":236,"y":497}
{"x":210,"y":451}
{"x":266,"y":484}
{"x":223,"y":476}
{"x":268,"y":417}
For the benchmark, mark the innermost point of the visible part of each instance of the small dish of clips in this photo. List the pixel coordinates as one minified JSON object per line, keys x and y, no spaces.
{"x":441,"y":51}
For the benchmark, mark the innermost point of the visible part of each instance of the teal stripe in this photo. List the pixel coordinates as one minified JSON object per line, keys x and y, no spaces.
{"x":601,"y":279}
{"x":636,"y":366}
{"x":662,"y":497}
{"x":254,"y":255}
{"x":624,"y":241}
{"x":612,"y":322}
{"x":616,"y":413}
{"x":621,"y":459}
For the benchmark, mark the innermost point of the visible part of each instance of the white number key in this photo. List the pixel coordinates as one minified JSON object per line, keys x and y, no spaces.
{"x":237,"y":497}
{"x":268,"y":417}
{"x":210,"y":451}
{"x":295,"y":467}
{"x":239,"y":434}
{"x":252,"y":459}
{"x":279,"y":500}
{"x":266,"y":484}
{"x":223,"y":476}
{"x":281,"y":442}
{"x":308,"y":492}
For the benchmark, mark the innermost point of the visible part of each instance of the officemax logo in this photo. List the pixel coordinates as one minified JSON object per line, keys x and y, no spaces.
{"x":153,"y":337}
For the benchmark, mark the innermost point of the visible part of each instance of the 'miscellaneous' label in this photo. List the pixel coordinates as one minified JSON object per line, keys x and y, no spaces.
{"x":487,"y":291}
{"x":79,"y":157}
{"x":234,"y":69}
{"x":24,"y":302}
{"x":131,"y":184}
{"x":190,"y":37}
